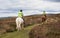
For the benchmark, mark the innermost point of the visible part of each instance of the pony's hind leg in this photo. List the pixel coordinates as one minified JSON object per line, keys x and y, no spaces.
{"x":18,"y":26}
{"x":22,"y":26}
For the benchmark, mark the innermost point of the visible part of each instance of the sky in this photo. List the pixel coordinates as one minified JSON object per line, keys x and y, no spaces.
{"x":29,"y":7}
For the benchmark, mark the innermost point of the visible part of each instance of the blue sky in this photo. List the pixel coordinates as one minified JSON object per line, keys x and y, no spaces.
{"x":11,"y":7}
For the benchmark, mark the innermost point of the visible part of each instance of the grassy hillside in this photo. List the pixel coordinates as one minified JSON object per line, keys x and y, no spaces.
{"x":9,"y":24}
{"x":18,"y":34}
{"x":48,"y":29}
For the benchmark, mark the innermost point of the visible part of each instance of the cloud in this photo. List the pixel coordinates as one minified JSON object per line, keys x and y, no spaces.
{"x":40,"y":5}
{"x":53,"y":0}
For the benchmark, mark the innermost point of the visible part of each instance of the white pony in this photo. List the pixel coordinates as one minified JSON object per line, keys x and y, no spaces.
{"x":19,"y":23}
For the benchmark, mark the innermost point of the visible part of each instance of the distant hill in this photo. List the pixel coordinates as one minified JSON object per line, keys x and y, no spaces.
{"x":28,"y":19}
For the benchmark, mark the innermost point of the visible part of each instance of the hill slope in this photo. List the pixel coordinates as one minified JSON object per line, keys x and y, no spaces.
{"x":18,"y":34}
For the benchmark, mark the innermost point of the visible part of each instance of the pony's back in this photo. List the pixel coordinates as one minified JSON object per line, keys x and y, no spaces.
{"x":20,"y":20}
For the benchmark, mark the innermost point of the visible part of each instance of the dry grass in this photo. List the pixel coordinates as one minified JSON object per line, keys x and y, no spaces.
{"x":48,"y":29}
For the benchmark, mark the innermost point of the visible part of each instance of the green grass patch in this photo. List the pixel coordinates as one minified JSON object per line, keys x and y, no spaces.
{"x":18,"y":34}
